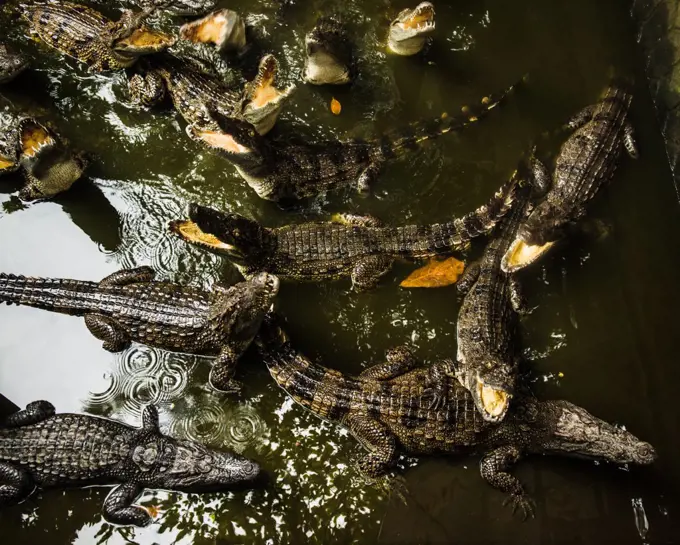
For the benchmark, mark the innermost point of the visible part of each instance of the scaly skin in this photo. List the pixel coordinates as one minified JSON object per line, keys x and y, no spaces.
{"x":357,"y":246}
{"x":281,"y":170}
{"x":198,"y":95}
{"x":181,"y":7}
{"x":585,"y":163}
{"x":329,"y":53}
{"x":411,"y":29}
{"x":86,"y":35}
{"x":11,"y":63}
{"x":392,"y":408}
{"x":48,"y":450}
{"x":487,"y":320}
{"x":48,"y":165}
{"x":130,"y":306}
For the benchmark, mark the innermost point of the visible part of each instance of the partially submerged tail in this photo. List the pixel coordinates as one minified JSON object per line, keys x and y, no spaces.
{"x":58,"y":294}
{"x":410,"y":137}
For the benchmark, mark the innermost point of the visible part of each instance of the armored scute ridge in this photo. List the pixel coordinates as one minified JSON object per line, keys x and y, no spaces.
{"x":199,"y":96}
{"x":48,"y":450}
{"x":280,"y":170}
{"x":129,"y":305}
{"x":86,"y":35}
{"x":586,"y":162}
{"x":397,"y":407}
{"x":352,"y":246}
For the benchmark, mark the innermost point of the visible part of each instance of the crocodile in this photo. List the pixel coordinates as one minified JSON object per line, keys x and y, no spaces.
{"x":391,"y":408}
{"x":329,"y":58}
{"x":411,"y":29}
{"x":129,"y":305}
{"x":11,"y":63}
{"x":34,"y":147}
{"x":225,"y":28}
{"x":355,"y":246}
{"x":198,"y":95}
{"x":487,"y":360}
{"x":86,"y":35}
{"x":180,"y":7}
{"x":39,"y":448}
{"x":585,"y":163}
{"x":289,"y":170}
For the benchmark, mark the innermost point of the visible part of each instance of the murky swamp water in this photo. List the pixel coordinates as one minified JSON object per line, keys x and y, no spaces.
{"x":603,"y":334}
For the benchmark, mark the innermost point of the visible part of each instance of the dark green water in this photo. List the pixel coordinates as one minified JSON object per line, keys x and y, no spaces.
{"x":603,"y":335}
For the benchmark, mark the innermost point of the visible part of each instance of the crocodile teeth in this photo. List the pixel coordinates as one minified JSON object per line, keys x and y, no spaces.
{"x":33,"y":138}
{"x":421,"y":18}
{"x":224,"y":28}
{"x":221,"y":140}
{"x":144,"y":41}
{"x":495,"y":401}
{"x":191,"y":232}
{"x":520,"y":254}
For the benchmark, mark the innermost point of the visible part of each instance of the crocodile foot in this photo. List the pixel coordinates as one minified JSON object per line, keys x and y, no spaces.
{"x":522,"y":504}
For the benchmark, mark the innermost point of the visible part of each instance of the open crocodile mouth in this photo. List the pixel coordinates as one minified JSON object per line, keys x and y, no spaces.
{"x":144,"y":41}
{"x":263,"y":91}
{"x":220,"y":140}
{"x":223,"y":27}
{"x":421,"y":19}
{"x":34,"y":137}
{"x":188,"y":231}
{"x":521,"y":254}
{"x":494,"y":401}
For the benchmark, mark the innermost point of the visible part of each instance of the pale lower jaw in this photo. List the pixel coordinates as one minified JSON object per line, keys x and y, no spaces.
{"x":520,"y":255}
{"x":494,"y":401}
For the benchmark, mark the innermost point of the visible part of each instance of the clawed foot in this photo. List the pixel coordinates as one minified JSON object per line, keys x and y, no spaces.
{"x":390,"y":484}
{"x":523,"y":503}
{"x":438,"y":398}
{"x":226,"y":385}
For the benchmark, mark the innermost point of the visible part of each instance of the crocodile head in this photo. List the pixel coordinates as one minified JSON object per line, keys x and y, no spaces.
{"x":328,"y":54}
{"x":244,"y":241}
{"x":263,"y":101}
{"x":142,"y":41}
{"x":224,"y":28}
{"x":491,"y":385}
{"x":164,"y":462}
{"x":544,"y":226}
{"x":411,"y":28}
{"x":238,"y":312}
{"x":567,"y":429}
{"x":11,"y":64}
{"x":53,"y":171}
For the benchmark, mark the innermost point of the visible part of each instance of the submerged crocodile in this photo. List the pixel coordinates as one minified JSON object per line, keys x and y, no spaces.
{"x":198,"y":95}
{"x":390,"y":408}
{"x":33,"y":147}
{"x":329,"y":53}
{"x":11,"y":63}
{"x":487,"y":359}
{"x":358,"y":246}
{"x":280,"y":170}
{"x":129,"y":305}
{"x":224,"y":28}
{"x":39,"y":448}
{"x":86,"y":35}
{"x":411,"y":29}
{"x":585,"y":163}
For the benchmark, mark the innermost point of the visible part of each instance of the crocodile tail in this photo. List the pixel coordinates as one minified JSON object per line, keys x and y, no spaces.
{"x":58,"y":294}
{"x":410,"y":137}
{"x":486,"y":217}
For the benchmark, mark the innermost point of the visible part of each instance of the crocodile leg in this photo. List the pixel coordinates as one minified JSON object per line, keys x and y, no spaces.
{"x":517,"y":300}
{"x":469,"y":277}
{"x":367,"y":177}
{"x":581,"y":118}
{"x":436,"y":383}
{"x":493,"y":468}
{"x":377,"y":440}
{"x":368,"y":271}
{"x":541,"y":179}
{"x":355,"y":219}
{"x":223,"y":370}
{"x":31,"y":190}
{"x":400,"y":360}
{"x":118,"y":508}
{"x":108,"y":330}
{"x":629,"y":141}
{"x":129,"y":276}
{"x":36,"y":411}
{"x":15,"y":483}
